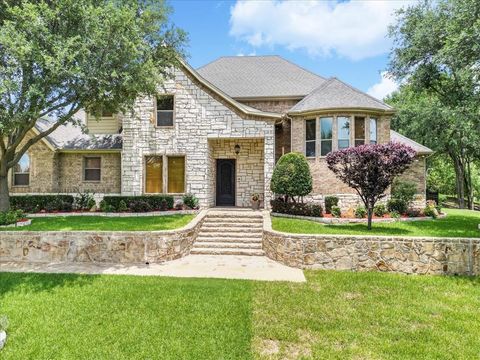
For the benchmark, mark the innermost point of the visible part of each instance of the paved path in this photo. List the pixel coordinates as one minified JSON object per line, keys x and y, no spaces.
{"x":197,"y":266}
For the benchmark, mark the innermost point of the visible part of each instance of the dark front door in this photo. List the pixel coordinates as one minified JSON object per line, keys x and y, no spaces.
{"x":225,"y":182}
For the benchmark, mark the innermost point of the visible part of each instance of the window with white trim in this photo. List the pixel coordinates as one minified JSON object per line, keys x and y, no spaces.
{"x":21,"y":172}
{"x":92,"y":170}
{"x":359,"y":130}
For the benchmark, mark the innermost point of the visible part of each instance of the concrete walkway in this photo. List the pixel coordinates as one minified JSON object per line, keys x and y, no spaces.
{"x":192,"y":266}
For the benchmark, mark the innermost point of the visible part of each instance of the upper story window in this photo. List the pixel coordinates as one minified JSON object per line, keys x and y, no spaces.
{"x":359,"y":130}
{"x":343,"y":129}
{"x":326,"y":135}
{"x":21,"y":172}
{"x":165,"y":110}
{"x":310,"y":137}
{"x":92,"y":169}
{"x":373,"y":130}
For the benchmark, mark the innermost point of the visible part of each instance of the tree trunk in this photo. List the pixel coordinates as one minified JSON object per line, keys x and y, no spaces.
{"x":459,"y":181}
{"x":469,"y":186}
{"x":4,"y":195}
{"x":370,"y":215}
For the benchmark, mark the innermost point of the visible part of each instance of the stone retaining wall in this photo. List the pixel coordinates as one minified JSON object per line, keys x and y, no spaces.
{"x":121,"y":247}
{"x":412,"y":255}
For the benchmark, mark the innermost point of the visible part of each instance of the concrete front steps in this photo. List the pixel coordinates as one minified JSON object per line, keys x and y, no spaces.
{"x":230,"y":232}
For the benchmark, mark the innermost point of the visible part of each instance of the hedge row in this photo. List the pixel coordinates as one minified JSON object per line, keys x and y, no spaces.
{"x":280,"y":206}
{"x":36,"y":203}
{"x":139,"y":203}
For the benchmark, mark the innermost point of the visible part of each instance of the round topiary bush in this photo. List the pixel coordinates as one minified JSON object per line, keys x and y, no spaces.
{"x":291,"y":176}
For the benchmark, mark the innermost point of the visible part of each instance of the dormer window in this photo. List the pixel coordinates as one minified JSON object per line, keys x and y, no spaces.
{"x":165,"y":110}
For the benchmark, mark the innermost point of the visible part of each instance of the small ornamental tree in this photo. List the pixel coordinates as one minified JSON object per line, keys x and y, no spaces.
{"x":291,"y":177}
{"x":370,"y":169}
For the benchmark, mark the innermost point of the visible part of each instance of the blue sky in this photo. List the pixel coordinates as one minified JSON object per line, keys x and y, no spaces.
{"x":345,"y":39}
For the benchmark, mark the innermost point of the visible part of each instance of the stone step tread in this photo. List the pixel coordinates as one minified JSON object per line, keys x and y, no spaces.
{"x":222,"y":224}
{"x":227,"y":251}
{"x":233,"y":220}
{"x":254,"y":240}
{"x":235,"y":215}
{"x":231,"y":229}
{"x":234,"y":245}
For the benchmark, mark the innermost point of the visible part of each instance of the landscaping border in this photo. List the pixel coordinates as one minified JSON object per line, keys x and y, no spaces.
{"x":407,"y":255}
{"x":114,"y":214}
{"x":325,"y":220}
{"x":119,"y":247}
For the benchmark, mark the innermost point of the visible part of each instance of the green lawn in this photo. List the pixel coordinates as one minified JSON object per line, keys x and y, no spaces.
{"x":458,"y":223}
{"x":134,"y":223}
{"x":335,"y":315}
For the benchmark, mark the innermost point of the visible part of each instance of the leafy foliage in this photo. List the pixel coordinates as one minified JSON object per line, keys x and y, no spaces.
{"x":330,"y":201}
{"x":370,"y":169}
{"x":10,"y":217}
{"x":84,"y":200}
{"x":336,"y":211}
{"x":436,"y":54}
{"x":280,"y":206}
{"x":379,"y":210}
{"x":57,"y":57}
{"x":397,"y":205}
{"x":140,"y":203}
{"x":404,"y":191}
{"x":190,"y":200}
{"x":36,"y":203}
{"x":291,"y":177}
{"x":360,"y":212}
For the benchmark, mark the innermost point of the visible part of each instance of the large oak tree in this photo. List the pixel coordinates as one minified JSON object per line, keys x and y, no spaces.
{"x":437,"y":55}
{"x":59,"y":56}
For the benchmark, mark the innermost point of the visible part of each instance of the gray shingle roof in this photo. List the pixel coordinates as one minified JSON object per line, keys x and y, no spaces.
{"x":334,"y":94}
{"x":72,"y":137}
{"x":419,"y":148}
{"x":259,"y":76}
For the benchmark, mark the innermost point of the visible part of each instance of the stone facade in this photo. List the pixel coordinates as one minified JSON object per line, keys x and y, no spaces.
{"x":276,"y":106}
{"x":249,"y":167}
{"x":374,"y":253}
{"x":417,"y":174}
{"x":200,"y":118}
{"x":119,"y":247}
{"x":70,"y":170}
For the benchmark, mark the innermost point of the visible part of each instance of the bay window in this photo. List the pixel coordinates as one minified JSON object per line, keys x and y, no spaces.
{"x":359,"y":130}
{"x":310,"y":137}
{"x":343,"y":126}
{"x":326,"y":135}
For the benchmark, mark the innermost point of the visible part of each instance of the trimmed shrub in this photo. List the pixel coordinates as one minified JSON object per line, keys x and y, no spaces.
{"x":379,"y":210}
{"x":431,"y":210}
{"x":291,"y":176}
{"x":413,"y":213}
{"x":395,"y":215}
{"x":10,"y":217}
{"x":360,"y":212}
{"x":404,"y":191}
{"x":84,"y":201}
{"x":190,"y":201}
{"x":139,"y":206}
{"x":105,"y":207}
{"x":330,"y":201}
{"x":397,"y":205}
{"x":154,"y":202}
{"x":36,"y":203}
{"x":280,"y":206}
{"x":336,"y":211}
{"x":122,"y":206}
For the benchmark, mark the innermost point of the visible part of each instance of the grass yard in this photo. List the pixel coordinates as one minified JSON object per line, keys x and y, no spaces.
{"x":102,"y":223}
{"x":335,"y":315}
{"x":458,"y":223}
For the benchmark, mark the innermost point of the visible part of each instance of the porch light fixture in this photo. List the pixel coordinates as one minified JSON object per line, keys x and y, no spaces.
{"x":237,"y":149}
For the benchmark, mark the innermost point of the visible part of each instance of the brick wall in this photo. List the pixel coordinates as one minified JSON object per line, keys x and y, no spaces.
{"x":71,"y":167}
{"x":43,"y":170}
{"x":277,"y":106}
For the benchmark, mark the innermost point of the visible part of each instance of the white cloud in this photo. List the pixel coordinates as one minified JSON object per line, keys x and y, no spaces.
{"x":353,"y":29}
{"x":383,"y":88}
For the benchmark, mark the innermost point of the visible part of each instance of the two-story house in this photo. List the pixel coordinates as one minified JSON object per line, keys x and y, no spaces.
{"x":216,"y":132}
